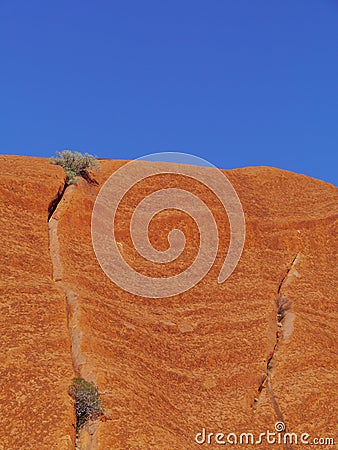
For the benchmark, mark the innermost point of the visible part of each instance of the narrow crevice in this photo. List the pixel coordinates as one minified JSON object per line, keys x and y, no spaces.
{"x":282,"y":306}
{"x":86,"y":438}
{"x":269,"y":388}
{"x":288,"y":272}
{"x":55,"y":202}
{"x":267,"y":383}
{"x":88,"y":177}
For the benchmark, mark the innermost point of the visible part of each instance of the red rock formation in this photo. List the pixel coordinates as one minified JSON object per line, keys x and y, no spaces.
{"x":167,"y":367}
{"x":35,"y":365}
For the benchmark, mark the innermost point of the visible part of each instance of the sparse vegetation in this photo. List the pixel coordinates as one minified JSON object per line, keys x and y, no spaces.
{"x":75,"y":164}
{"x":282,"y":305}
{"x":87,"y":401}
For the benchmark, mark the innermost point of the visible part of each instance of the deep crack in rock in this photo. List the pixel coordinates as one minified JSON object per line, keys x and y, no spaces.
{"x":55,"y":202}
{"x":283,"y":305}
{"x":86,"y":438}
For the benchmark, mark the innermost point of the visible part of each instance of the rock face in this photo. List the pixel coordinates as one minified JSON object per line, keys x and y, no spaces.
{"x":35,"y":366}
{"x":212,"y":358}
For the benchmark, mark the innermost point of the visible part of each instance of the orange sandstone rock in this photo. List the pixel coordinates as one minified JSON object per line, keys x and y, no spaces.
{"x":168,"y":367}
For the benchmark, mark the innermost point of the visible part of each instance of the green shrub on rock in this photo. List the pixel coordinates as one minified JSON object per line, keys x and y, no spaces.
{"x":87,"y":401}
{"x":75,"y":164}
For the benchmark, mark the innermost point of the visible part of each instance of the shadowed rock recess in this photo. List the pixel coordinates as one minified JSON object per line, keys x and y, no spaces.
{"x":217,"y":357}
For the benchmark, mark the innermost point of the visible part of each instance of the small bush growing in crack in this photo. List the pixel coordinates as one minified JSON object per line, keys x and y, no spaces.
{"x":87,"y":401}
{"x":282,"y":305}
{"x":76,"y":164}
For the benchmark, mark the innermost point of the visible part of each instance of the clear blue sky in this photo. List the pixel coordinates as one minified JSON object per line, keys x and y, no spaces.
{"x":237,"y":82}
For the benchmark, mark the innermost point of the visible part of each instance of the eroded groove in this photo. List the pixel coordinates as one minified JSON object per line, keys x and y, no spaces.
{"x":270,"y":391}
{"x":282,"y":306}
{"x":55,"y":202}
{"x":291,"y":271}
{"x":86,"y":438}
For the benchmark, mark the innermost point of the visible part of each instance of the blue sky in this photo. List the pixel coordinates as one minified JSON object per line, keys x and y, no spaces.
{"x":237,"y":82}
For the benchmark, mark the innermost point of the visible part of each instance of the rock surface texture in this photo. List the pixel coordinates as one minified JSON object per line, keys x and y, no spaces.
{"x":213,"y":357}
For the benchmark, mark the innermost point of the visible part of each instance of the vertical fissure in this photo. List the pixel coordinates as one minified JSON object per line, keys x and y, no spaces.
{"x":86,"y":436}
{"x":282,"y":306}
{"x":55,"y":202}
{"x":289,"y":272}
